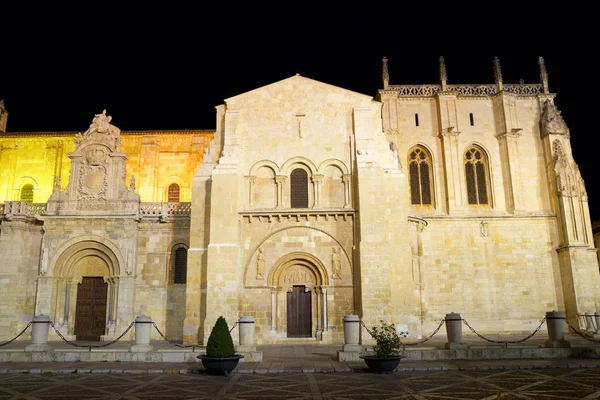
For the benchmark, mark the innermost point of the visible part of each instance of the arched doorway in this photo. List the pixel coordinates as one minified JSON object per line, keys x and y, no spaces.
{"x":85,"y":290}
{"x":302,"y":277}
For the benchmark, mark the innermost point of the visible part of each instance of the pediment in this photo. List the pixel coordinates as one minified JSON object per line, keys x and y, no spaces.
{"x":297,"y":89}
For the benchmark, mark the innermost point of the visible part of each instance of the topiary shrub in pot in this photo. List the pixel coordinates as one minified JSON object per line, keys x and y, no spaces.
{"x":387,"y":348}
{"x":220,"y":357}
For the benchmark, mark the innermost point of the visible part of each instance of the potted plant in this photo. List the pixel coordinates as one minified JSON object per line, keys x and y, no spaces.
{"x":388,"y":345}
{"x":220,"y":357}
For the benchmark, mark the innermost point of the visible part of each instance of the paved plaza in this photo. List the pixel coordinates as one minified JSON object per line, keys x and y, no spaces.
{"x":547,"y":383}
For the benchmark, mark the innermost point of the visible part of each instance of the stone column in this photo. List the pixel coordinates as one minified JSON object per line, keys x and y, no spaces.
{"x":454,"y":332}
{"x":346,"y":179}
{"x":273,"y":310}
{"x":324,"y":302}
{"x":317,"y":183}
{"x":556,"y":330}
{"x":143,"y":323}
{"x":39,"y":334}
{"x":251,"y":183}
{"x":280,"y":180}
{"x":453,"y":166}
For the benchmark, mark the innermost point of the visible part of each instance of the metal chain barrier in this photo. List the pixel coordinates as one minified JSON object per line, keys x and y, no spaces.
{"x":581,"y":334}
{"x":234,"y":325}
{"x":506,"y":342}
{"x":415,"y":343}
{"x":91,"y":345}
{"x":427,"y":338}
{"x":16,"y":337}
{"x":193,"y":346}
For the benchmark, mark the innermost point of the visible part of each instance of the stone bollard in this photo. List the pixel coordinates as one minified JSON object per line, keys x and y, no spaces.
{"x":556,"y":330}
{"x":143,"y":323}
{"x":246,"y":346}
{"x":454,"y":323}
{"x":597,"y":319}
{"x":39,"y":334}
{"x":352,"y":334}
{"x":246,"y":324}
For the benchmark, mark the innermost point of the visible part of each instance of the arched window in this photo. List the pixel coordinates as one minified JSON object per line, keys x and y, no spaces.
{"x":180,"y":265}
{"x":173,"y":194}
{"x":476,"y":172}
{"x":299,"y":188}
{"x":27,"y":193}
{"x":419,"y":166}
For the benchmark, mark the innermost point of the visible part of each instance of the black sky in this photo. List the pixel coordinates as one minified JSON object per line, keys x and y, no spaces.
{"x":167,"y":67}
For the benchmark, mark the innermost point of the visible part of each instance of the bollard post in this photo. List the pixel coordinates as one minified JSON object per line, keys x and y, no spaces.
{"x":352,"y":334}
{"x":556,"y":330}
{"x":143,"y":323}
{"x":246,"y":324}
{"x":597,"y":319}
{"x":246,"y":346}
{"x":454,"y":323}
{"x":39,"y":334}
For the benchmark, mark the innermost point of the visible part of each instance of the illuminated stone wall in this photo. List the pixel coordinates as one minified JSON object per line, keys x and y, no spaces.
{"x":156,"y":159}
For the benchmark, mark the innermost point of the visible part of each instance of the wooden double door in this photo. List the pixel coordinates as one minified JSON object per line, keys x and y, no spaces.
{"x":90,"y":314}
{"x":299,"y":318}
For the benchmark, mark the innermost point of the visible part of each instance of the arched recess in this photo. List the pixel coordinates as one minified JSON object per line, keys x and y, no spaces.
{"x":308,"y":261}
{"x":333,"y":161}
{"x":293,"y":162}
{"x":264,"y":163}
{"x":85,"y":274}
{"x":478,"y":175}
{"x":20,"y":183}
{"x":263,"y":188}
{"x":65,"y":257}
{"x":164,"y":188}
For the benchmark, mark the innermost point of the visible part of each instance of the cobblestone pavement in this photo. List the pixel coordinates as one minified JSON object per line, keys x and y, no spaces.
{"x":536,"y":384}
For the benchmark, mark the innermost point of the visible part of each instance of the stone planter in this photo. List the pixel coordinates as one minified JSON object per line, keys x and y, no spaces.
{"x":382,"y":364}
{"x":220,"y":365}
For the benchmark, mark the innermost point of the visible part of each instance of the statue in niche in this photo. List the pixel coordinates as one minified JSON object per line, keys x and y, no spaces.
{"x":132,"y":183}
{"x":260,"y":264}
{"x":336,"y":264}
{"x":44,"y":262}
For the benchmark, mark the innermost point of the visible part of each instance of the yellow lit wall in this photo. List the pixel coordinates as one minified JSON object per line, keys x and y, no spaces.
{"x":156,"y":160}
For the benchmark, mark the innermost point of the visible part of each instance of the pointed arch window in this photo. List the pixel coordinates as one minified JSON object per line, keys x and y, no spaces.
{"x":299,"y":188}
{"x":173,"y":193}
{"x":27,"y":193}
{"x":476,"y":173}
{"x":419,"y":165}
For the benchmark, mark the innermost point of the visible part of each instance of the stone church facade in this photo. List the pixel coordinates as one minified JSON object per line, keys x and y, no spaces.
{"x":306,"y":203}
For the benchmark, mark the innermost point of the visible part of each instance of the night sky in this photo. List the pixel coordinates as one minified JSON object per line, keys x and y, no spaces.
{"x":167,"y":67}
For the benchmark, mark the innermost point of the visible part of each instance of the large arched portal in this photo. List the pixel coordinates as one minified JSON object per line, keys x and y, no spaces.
{"x":301,"y":276}
{"x":84,"y":292}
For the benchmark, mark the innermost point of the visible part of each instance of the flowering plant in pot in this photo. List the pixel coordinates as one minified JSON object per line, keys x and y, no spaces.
{"x":387,"y":348}
{"x":220,"y":357}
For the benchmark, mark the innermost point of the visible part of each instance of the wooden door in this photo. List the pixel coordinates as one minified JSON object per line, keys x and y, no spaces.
{"x":90,"y":314}
{"x":299,"y":312}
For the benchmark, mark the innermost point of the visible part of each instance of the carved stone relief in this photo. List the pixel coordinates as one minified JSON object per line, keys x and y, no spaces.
{"x":299,"y":275}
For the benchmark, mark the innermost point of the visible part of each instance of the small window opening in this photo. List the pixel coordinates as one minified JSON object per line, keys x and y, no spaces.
{"x":173,"y":196}
{"x":471,"y":119}
{"x":27,"y":193}
{"x":180,"y":275}
{"x":416,"y":119}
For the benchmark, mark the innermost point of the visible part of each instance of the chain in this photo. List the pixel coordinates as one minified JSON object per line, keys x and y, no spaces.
{"x":506,"y":342}
{"x":90,"y":345}
{"x":581,"y":334}
{"x":427,"y":338}
{"x":193,"y":346}
{"x":365,"y":326}
{"x":16,"y":337}
{"x":234,"y":325}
